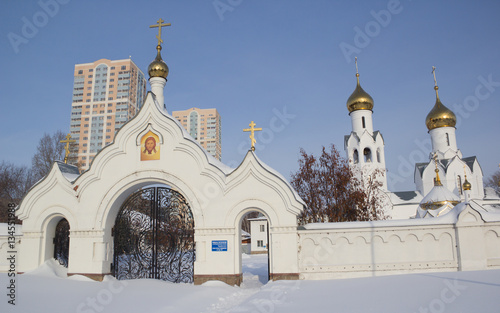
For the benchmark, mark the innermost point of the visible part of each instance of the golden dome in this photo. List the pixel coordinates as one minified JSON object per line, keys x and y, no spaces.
{"x":440,"y":116}
{"x":359,"y":99}
{"x":467,"y":185}
{"x":158,"y":68}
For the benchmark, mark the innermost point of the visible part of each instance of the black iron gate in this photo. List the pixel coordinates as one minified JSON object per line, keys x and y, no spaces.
{"x":61,"y":242}
{"x":154,"y":237}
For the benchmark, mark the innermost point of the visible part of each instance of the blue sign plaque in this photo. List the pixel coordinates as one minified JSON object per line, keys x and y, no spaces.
{"x":219,"y":245}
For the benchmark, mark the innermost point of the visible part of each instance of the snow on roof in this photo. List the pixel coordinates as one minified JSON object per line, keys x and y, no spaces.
{"x":438,"y":194}
{"x":491,"y":193}
{"x":488,"y":213}
{"x":70,"y":172}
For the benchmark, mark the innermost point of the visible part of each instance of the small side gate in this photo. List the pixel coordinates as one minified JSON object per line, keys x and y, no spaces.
{"x":154,"y":237}
{"x":61,"y":242}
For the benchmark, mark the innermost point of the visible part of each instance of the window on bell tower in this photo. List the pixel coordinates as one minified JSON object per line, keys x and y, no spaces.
{"x":363,"y":121}
{"x":367,"y":154}
{"x":355,"y":156}
{"x":448,"y":139}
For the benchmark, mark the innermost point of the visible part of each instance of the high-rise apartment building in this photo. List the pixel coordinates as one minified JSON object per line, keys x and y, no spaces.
{"x":106,"y":94}
{"x":204,"y":125}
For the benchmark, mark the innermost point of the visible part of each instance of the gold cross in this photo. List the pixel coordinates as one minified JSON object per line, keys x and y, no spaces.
{"x":434,"y":73}
{"x":67,"y":142}
{"x":252,"y":131}
{"x":160,"y":25}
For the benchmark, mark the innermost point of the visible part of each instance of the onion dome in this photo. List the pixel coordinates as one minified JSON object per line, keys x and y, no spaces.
{"x":439,"y":116}
{"x":158,"y":68}
{"x":438,"y":201}
{"x":467,"y":185}
{"x":359,"y":99}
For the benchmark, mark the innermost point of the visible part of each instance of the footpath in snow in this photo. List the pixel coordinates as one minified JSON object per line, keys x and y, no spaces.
{"x":48,"y":289}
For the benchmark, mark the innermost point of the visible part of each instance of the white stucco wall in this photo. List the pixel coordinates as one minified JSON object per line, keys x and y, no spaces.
{"x":461,"y":240}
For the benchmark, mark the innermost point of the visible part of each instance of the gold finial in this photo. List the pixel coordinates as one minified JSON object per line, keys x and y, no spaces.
{"x":160,"y":25}
{"x":252,"y":131}
{"x":435,"y":82}
{"x":67,"y":142}
{"x":437,"y":181}
{"x":467,"y":185}
{"x":357,"y":73}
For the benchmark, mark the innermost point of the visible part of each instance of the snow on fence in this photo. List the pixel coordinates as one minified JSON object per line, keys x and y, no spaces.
{"x":464,"y":239}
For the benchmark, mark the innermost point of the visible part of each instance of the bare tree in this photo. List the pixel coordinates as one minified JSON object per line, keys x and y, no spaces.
{"x":332,"y":191}
{"x":15,"y":181}
{"x":49,"y":150}
{"x":494,"y":181}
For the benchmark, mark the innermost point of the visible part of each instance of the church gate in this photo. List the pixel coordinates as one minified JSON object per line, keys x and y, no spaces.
{"x":61,"y":242}
{"x":154,"y":237}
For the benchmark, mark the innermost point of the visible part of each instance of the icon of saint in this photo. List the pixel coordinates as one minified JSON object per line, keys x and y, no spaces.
{"x":149,"y":146}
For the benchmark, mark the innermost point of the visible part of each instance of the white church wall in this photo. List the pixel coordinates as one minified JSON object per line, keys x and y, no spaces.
{"x":357,"y":249}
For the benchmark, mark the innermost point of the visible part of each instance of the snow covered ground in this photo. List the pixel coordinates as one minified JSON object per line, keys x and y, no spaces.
{"x":48,"y":290}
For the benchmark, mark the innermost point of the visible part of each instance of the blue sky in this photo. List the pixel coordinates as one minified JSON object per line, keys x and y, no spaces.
{"x":279,"y":63}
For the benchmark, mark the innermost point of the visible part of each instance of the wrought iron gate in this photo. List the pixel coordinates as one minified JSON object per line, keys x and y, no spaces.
{"x":154,"y":237}
{"x":61,"y":242}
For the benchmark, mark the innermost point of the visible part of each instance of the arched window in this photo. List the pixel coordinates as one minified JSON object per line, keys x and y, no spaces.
{"x":378,"y":155}
{"x":459,"y":182}
{"x":367,"y":153}
{"x":355,"y":156}
{"x":448,"y":139}
{"x":363,"y":121}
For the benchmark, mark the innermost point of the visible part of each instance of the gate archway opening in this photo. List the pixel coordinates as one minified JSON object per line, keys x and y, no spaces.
{"x":154,"y":236}
{"x":255,"y":252}
{"x":61,"y":242}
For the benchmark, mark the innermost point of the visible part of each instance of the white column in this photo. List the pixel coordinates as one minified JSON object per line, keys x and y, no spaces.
{"x":357,"y":118}
{"x":443,"y":139}
{"x":157,"y":87}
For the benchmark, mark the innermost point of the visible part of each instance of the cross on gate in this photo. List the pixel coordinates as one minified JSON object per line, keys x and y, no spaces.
{"x":67,"y":142}
{"x":252,"y":131}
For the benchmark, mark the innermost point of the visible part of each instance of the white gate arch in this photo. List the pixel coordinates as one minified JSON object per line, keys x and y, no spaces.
{"x":218,"y":196}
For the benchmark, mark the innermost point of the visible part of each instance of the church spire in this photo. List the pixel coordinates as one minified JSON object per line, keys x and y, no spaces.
{"x":439,"y":116}
{"x":158,"y":69}
{"x":359,"y":99}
